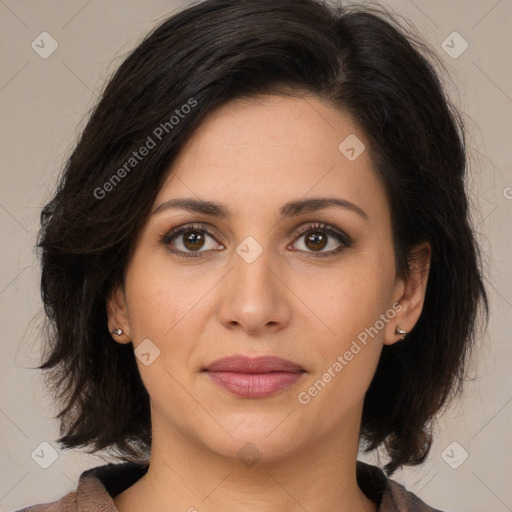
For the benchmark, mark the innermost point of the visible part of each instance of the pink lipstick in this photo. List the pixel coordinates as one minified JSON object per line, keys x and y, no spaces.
{"x":254,"y":377}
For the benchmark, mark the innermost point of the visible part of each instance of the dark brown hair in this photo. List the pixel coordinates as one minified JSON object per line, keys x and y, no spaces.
{"x":362,"y":61}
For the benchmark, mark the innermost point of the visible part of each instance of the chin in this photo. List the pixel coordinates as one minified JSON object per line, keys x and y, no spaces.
{"x":262,"y":436}
{"x":253,"y":447}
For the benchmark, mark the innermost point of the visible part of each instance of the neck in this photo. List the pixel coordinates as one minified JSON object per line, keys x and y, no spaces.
{"x":186,"y":475}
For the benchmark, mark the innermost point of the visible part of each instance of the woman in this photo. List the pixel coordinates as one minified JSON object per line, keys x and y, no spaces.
{"x":259,"y":258}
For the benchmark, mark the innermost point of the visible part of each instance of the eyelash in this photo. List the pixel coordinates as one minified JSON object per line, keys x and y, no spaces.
{"x":326,"y":228}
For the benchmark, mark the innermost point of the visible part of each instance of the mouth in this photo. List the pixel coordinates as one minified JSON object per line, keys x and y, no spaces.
{"x":254,"y":377}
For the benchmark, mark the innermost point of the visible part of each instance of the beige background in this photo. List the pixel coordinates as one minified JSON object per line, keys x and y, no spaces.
{"x":43,"y":104}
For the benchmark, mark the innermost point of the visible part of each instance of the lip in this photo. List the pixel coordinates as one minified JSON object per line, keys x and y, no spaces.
{"x":246,"y":364}
{"x":254,"y":377}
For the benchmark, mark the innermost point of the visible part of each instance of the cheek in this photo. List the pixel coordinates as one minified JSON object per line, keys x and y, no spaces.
{"x":161,"y":296}
{"x":347,"y":351}
{"x":161,"y":303}
{"x":169,"y":306}
{"x":349,"y":304}
{"x":347,"y":301}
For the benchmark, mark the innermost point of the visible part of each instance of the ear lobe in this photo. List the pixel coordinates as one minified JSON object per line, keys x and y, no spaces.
{"x":117,"y":314}
{"x":413,"y":292}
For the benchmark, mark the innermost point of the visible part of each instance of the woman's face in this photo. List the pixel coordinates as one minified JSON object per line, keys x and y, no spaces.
{"x":276,"y":275}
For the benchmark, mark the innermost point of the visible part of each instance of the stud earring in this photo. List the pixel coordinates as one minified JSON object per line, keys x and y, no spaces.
{"x":398,"y":330}
{"x":117,"y":332}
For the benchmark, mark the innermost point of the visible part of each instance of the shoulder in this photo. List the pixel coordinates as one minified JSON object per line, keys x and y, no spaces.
{"x":96,"y":488}
{"x":67,"y":503}
{"x":391,"y":496}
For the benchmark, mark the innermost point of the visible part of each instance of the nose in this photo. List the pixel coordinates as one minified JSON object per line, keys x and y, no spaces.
{"x":255,"y":297}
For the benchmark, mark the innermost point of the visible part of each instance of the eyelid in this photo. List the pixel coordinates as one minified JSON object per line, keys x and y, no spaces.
{"x":323,"y":227}
{"x":200,"y":226}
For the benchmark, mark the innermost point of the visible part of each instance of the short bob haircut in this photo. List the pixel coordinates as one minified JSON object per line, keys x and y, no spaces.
{"x":360,"y":60}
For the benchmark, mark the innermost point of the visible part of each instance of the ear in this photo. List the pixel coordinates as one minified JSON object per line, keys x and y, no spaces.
{"x":410,"y":293}
{"x":117,"y":313}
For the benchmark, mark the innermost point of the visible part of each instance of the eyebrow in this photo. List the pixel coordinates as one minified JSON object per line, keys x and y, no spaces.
{"x":290,"y":209}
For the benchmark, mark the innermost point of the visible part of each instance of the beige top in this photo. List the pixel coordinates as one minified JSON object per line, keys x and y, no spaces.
{"x":97,"y":486}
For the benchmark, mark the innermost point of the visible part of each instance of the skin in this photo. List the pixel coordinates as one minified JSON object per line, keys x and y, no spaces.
{"x":254,"y":156}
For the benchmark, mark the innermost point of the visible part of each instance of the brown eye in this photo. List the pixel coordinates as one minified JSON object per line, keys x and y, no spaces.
{"x":316,"y":241}
{"x":191,"y":241}
{"x":319,"y":236}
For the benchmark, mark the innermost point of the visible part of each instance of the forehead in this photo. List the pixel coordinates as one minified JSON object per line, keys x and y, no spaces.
{"x":270,"y":149}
